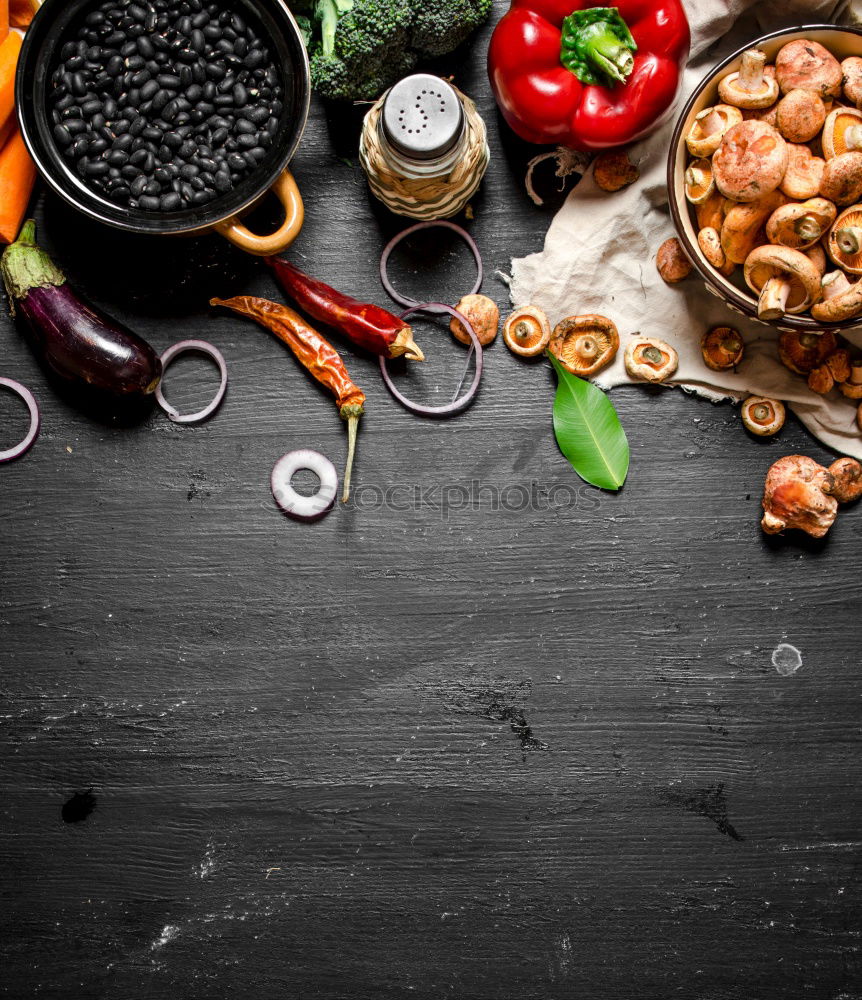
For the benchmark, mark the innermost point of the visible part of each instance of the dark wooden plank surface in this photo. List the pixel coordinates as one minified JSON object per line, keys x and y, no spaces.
{"x":418,"y":749}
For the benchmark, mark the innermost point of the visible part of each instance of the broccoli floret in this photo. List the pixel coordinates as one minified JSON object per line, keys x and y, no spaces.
{"x":439,"y":26}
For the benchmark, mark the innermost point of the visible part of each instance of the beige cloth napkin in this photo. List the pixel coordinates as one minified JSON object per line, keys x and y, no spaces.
{"x":599,"y":254}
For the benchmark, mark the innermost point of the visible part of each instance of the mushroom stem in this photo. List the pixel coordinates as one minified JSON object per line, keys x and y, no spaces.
{"x":773,"y":299}
{"x":855,"y":373}
{"x":710,"y":121}
{"x":751,"y":70}
{"x":833,"y":284}
{"x":853,"y":138}
{"x":696,"y":177}
{"x":808,"y":228}
{"x":849,"y":239}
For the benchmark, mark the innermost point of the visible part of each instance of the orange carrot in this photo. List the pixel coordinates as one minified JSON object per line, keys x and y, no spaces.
{"x":9,"y":50}
{"x":21,"y":12}
{"x":4,"y":19}
{"x":17,"y":176}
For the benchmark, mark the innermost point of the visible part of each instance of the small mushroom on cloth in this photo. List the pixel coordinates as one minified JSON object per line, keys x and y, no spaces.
{"x":798,"y":494}
{"x":800,"y":115}
{"x":484,"y":317}
{"x":722,"y":348}
{"x":839,"y":298}
{"x":750,"y":162}
{"x":803,"y":352}
{"x":845,"y":240}
{"x":786,"y":280}
{"x":842,"y":178}
{"x":752,"y":86}
{"x":671,"y":261}
{"x":842,"y":132}
{"x":806,"y":64}
{"x":650,"y":359}
{"x":852,"y":388}
{"x":800,"y":225}
{"x":762,"y":416}
{"x":820,"y":380}
{"x":527,"y":331}
{"x":613,"y":171}
{"x":585,"y":344}
{"x":708,"y":128}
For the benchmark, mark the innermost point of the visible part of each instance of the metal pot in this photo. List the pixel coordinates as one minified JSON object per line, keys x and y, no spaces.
{"x":222,"y":215}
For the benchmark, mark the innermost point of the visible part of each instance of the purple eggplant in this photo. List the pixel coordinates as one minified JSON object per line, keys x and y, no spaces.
{"x":74,"y":340}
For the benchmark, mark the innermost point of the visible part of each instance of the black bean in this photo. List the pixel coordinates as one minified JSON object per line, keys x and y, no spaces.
{"x":256,"y":115}
{"x":238,"y":25}
{"x":124,"y":142}
{"x":137,"y":186}
{"x":77,"y":85}
{"x":205,"y":163}
{"x":222,"y":181}
{"x":135,"y":63}
{"x":153,"y":188}
{"x":240,"y":48}
{"x":90,"y":107}
{"x":162,"y":175}
{"x":188,"y":171}
{"x":165,"y":154}
{"x":254,"y":59}
{"x":245,"y":127}
{"x":114,"y":39}
{"x":138,"y":125}
{"x":194,"y":93}
{"x":75,"y":125}
{"x":130,"y":172}
{"x":94,"y":53}
{"x":140,"y":157}
{"x":169,"y":81}
{"x":95,"y":18}
{"x":149,"y":90}
{"x":128,"y":48}
{"x":120,"y":195}
{"x":63,"y":136}
{"x":240,"y":95}
{"x":152,"y":134}
{"x":203,"y":197}
{"x":215,"y":71}
{"x":96,"y":168}
{"x":146,"y":47}
{"x":80,"y":147}
{"x":224,"y":101}
{"x":65,"y":102}
{"x":172,"y":140}
{"x":187,"y":76}
{"x":200,"y":20}
{"x":211,"y":32}
{"x":148,"y":204}
{"x":98,"y":146}
{"x":117,"y":158}
{"x":219,"y":136}
{"x":74,"y":64}
{"x":235,"y":161}
{"x":257,"y":154}
{"x":141,"y":77}
{"x":137,"y":12}
{"x":109,"y":108}
{"x":170,"y":202}
{"x":160,"y":100}
{"x":246,"y":141}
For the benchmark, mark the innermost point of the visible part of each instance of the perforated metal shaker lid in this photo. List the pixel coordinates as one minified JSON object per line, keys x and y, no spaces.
{"x":422,"y":117}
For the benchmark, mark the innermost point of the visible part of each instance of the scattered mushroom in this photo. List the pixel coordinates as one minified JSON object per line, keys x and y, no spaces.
{"x":797,"y":494}
{"x":650,"y":359}
{"x":484,"y":317}
{"x":820,"y":380}
{"x":786,"y":280}
{"x":742,"y":228}
{"x":699,"y":182}
{"x":708,"y":128}
{"x":842,"y":178}
{"x":584,"y":344}
{"x":839,"y":298}
{"x":852,"y":388}
{"x":846,"y":479}
{"x":803,"y":352}
{"x":527,"y":331}
{"x":851,"y":75}
{"x":750,"y":87}
{"x":671,"y":261}
{"x":709,"y":241}
{"x":804,"y":172}
{"x":613,"y":171}
{"x":800,"y":225}
{"x":839,"y":364}
{"x":750,"y":161}
{"x":763,"y":416}
{"x":800,"y":115}
{"x":842,"y":132}
{"x":722,"y":347}
{"x":845,"y":240}
{"x":806,"y":64}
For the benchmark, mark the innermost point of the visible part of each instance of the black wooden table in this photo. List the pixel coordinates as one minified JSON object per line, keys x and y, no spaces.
{"x":492,"y":735}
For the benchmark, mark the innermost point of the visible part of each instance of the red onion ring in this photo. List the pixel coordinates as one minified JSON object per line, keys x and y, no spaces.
{"x":202,"y":347}
{"x":457,"y":405}
{"x":294,"y":504}
{"x":29,"y":438}
{"x":390,"y":246}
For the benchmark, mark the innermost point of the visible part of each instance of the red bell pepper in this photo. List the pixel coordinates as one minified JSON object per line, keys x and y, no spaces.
{"x":576,"y":74}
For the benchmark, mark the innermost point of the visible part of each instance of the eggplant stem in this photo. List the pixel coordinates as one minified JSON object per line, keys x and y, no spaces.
{"x":352,"y":427}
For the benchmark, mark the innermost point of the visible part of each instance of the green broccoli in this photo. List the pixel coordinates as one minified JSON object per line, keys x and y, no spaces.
{"x":361,"y":47}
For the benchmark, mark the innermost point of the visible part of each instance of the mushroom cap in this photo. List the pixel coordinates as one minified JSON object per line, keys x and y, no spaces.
{"x":851,"y":76}
{"x":650,"y":359}
{"x":768,"y":115}
{"x":527,"y":331}
{"x":741,"y":229}
{"x":851,"y":262}
{"x":701,"y":143}
{"x":852,"y":388}
{"x":839,"y":364}
{"x":709,"y":241}
{"x":712,"y":211}
{"x":842,"y":178}
{"x":803,"y":352}
{"x":750,"y":161}
{"x":808,"y":65}
{"x":698,"y":180}
{"x":804,"y":172}
{"x":671,"y":261}
{"x":584,"y":344}
{"x":732,"y":91}
{"x":484,"y":316}
{"x":800,"y":225}
{"x":722,"y":347}
{"x":800,"y":115}
{"x":817,"y":255}
{"x":762,"y":416}
{"x":834,"y":137}
{"x":766,"y":262}
{"x":846,"y":479}
{"x":613,"y":170}
{"x":820,"y":380}
{"x":796,"y":495}
{"x":839,"y":307}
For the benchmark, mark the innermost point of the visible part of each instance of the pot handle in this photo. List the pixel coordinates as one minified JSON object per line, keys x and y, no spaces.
{"x":287,"y":192}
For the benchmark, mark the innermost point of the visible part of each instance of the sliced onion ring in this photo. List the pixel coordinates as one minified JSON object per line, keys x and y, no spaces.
{"x":390,"y":246}
{"x":183,"y":347}
{"x":295,"y":504}
{"x":457,"y":405}
{"x":26,"y":443}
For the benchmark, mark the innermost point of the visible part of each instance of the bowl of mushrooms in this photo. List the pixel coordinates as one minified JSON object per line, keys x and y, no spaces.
{"x":765,"y":179}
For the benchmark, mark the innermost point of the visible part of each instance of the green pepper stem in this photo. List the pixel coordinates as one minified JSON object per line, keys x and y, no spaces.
{"x":597,"y":46}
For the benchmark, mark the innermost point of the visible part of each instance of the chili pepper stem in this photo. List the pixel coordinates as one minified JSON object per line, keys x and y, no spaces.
{"x":352,"y":427}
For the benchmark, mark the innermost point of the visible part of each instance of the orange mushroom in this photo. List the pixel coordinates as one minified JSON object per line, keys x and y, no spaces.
{"x":846,"y":479}
{"x":698,"y":181}
{"x":742,"y":228}
{"x":852,"y":388}
{"x":650,"y":359}
{"x":806,"y":64}
{"x":842,"y":178}
{"x":797,"y":494}
{"x":803,"y":352}
{"x":804,"y":172}
{"x":839,"y":299}
{"x":671,"y":261}
{"x":584,"y":344}
{"x":842,"y":132}
{"x":484,"y":317}
{"x":709,"y":241}
{"x":800,"y":115}
{"x":845,"y":240}
{"x":527,"y":331}
{"x":762,"y":416}
{"x":785,"y":280}
{"x":800,"y":225}
{"x":722,"y":348}
{"x":750,"y":161}
{"x":750,"y":86}
{"x":708,"y":128}
{"x":851,"y":73}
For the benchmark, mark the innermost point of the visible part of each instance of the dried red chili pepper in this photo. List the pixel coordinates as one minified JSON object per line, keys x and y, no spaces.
{"x":372,"y":327}
{"x":315,"y":353}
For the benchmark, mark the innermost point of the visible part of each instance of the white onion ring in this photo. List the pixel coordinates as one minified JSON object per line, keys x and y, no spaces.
{"x":29,"y":438}
{"x":202,"y":347}
{"x":295,"y":504}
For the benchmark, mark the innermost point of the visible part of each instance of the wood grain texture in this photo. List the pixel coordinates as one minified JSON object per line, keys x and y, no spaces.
{"x":425,"y":749}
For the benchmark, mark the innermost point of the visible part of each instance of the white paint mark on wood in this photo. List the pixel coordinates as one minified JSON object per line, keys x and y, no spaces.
{"x":786,"y":659}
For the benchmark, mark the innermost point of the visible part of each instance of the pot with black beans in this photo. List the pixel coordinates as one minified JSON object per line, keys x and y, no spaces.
{"x":167,"y":116}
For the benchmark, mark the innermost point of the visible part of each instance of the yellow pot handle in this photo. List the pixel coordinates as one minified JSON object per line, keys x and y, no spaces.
{"x":287,"y":192}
